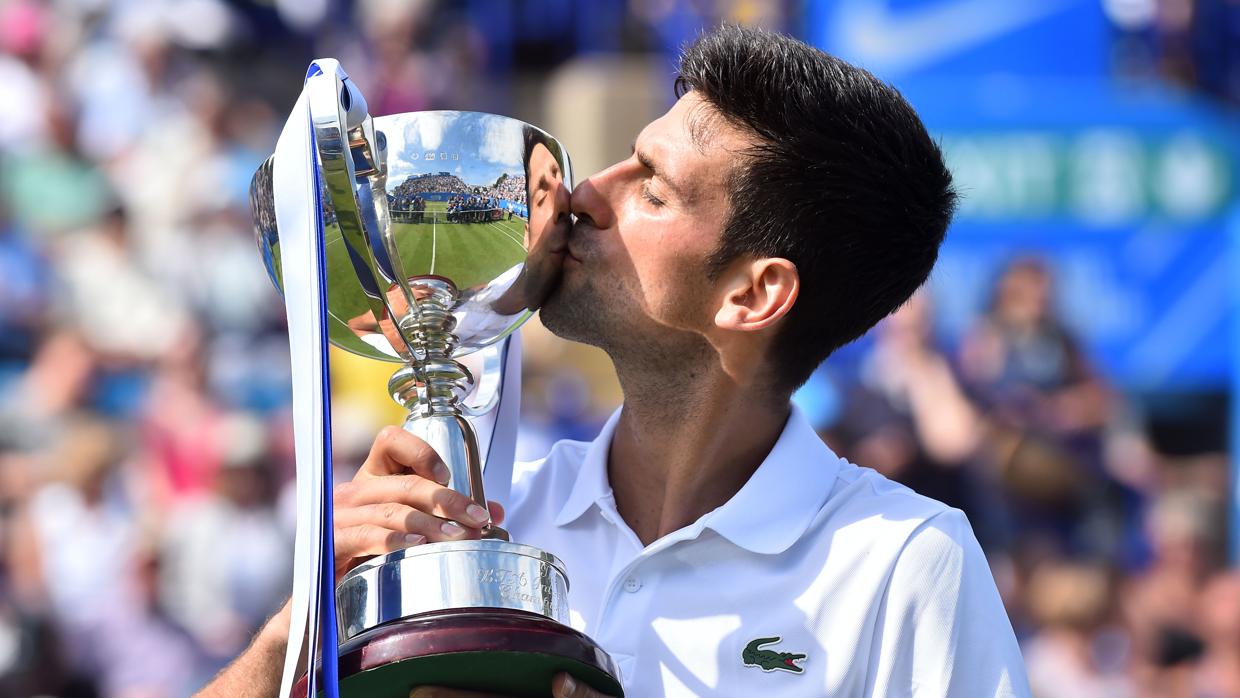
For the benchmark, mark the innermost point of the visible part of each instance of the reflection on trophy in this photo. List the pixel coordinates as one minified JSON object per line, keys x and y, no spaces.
{"x":440,"y":232}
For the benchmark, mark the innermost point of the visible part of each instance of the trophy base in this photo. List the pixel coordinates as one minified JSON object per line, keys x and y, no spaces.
{"x":503,"y":651}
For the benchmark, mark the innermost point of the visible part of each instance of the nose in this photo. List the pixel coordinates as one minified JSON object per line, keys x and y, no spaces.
{"x":592,"y":200}
{"x":563,"y":205}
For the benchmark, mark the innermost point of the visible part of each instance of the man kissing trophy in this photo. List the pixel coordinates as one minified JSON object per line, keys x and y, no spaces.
{"x":399,"y":238}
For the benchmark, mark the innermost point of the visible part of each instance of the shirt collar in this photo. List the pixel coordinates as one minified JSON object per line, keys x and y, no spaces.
{"x":591,"y":484}
{"x":781,"y":499}
{"x":770,"y":512}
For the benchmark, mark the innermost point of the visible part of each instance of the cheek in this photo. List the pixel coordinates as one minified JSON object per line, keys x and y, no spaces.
{"x":662,"y":256}
{"x":673,"y":283}
{"x":661,"y":269}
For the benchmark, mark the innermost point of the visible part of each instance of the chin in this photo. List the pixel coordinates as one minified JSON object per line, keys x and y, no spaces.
{"x":553,"y":312}
{"x":568,"y":315}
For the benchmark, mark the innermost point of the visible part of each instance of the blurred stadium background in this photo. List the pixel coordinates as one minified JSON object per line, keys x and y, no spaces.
{"x":1065,"y":379}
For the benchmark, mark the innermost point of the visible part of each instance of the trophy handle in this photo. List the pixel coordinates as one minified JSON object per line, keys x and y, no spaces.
{"x":351,"y":160}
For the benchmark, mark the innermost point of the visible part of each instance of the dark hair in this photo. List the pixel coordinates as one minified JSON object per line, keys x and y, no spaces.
{"x":843,"y":181}
{"x":532,"y":137}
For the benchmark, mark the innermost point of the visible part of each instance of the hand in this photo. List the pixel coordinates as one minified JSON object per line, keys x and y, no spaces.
{"x":564,"y":686}
{"x":398,"y":499}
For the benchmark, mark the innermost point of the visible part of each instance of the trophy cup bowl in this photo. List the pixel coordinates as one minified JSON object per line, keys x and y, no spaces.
{"x":442,"y":234}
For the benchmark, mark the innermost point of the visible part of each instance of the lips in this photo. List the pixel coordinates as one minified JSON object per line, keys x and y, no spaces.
{"x":576,"y":247}
{"x":563,"y":251}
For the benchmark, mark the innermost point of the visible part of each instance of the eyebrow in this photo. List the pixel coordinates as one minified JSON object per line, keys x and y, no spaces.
{"x":644,"y":160}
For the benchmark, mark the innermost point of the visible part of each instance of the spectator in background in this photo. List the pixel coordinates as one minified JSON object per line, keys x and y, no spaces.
{"x":147,"y":655}
{"x":1158,"y":603}
{"x":23,"y":91}
{"x":1078,"y":652}
{"x":909,"y":418}
{"x":240,"y":332}
{"x":56,"y":382}
{"x":1047,"y":409}
{"x":180,"y":428}
{"x":1023,"y":358}
{"x":122,"y":310}
{"x":31,"y":661}
{"x":50,"y":188}
{"x":227,"y":558}
{"x":76,"y":544}
{"x":1218,"y":614}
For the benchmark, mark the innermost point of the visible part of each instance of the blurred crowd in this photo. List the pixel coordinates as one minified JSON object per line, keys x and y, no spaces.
{"x":145,"y":462}
{"x":145,"y":443}
{"x":1109,"y":553}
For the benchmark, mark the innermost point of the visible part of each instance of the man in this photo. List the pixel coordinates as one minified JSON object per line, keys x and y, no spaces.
{"x":784,"y":205}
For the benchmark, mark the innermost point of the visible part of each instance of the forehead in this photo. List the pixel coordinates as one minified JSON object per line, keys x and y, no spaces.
{"x":694,"y":144}
{"x":541,"y":156}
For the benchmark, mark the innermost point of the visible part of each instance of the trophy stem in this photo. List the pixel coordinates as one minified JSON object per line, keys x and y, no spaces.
{"x":432,"y":390}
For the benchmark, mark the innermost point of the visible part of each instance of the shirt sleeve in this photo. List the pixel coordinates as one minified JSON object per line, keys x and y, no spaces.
{"x":942,"y":629}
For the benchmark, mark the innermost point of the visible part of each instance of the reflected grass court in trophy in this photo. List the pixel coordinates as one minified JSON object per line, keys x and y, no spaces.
{"x":441,"y":233}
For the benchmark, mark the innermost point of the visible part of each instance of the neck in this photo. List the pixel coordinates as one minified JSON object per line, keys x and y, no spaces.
{"x":686,"y":443}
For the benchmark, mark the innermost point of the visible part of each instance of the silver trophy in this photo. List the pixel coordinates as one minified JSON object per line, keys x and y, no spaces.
{"x":441,"y":230}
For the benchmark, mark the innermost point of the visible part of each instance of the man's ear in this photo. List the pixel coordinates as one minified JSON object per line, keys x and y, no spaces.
{"x":757,"y":293}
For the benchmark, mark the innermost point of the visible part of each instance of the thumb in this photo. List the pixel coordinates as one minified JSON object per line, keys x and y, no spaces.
{"x":565,"y":686}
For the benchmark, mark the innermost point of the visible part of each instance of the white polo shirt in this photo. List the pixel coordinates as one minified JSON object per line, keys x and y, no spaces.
{"x":884,"y":592}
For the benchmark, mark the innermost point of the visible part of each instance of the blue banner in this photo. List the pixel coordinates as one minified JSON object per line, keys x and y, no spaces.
{"x":1123,"y":189}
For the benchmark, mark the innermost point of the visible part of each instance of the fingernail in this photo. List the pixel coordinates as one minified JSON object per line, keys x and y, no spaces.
{"x":452,"y":528}
{"x":414,"y":539}
{"x":568,"y":686}
{"x":477,"y":513}
{"x":442,"y":475}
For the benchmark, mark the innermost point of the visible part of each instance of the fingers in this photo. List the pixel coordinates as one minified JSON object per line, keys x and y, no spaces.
{"x":376,"y":529}
{"x":397,"y":452}
{"x":413,"y":491}
{"x":354,"y":543}
{"x":399,"y":499}
{"x":565,"y":686}
{"x":400,"y":518}
{"x":384,"y":514}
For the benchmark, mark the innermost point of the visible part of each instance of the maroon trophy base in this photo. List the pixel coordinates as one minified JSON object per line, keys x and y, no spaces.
{"x":501,"y":651}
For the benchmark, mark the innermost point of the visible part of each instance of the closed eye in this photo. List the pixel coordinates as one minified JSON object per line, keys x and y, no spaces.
{"x":654,"y":200}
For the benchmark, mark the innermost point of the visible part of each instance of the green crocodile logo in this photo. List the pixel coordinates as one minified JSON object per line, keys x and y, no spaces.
{"x":769,"y":660}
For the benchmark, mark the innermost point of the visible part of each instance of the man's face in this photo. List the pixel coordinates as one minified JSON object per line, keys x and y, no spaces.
{"x":635,"y":276}
{"x":548,"y":199}
{"x":546,"y":231}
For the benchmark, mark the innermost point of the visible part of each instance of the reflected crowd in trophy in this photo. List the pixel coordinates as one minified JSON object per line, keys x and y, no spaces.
{"x":145,"y":433}
{"x":462,"y":203}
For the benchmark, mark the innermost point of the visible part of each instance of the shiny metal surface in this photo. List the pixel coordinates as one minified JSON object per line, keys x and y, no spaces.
{"x":453,"y":438}
{"x":437,"y":576}
{"x":389,"y":235}
{"x":429,"y":260}
{"x":428,"y":257}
